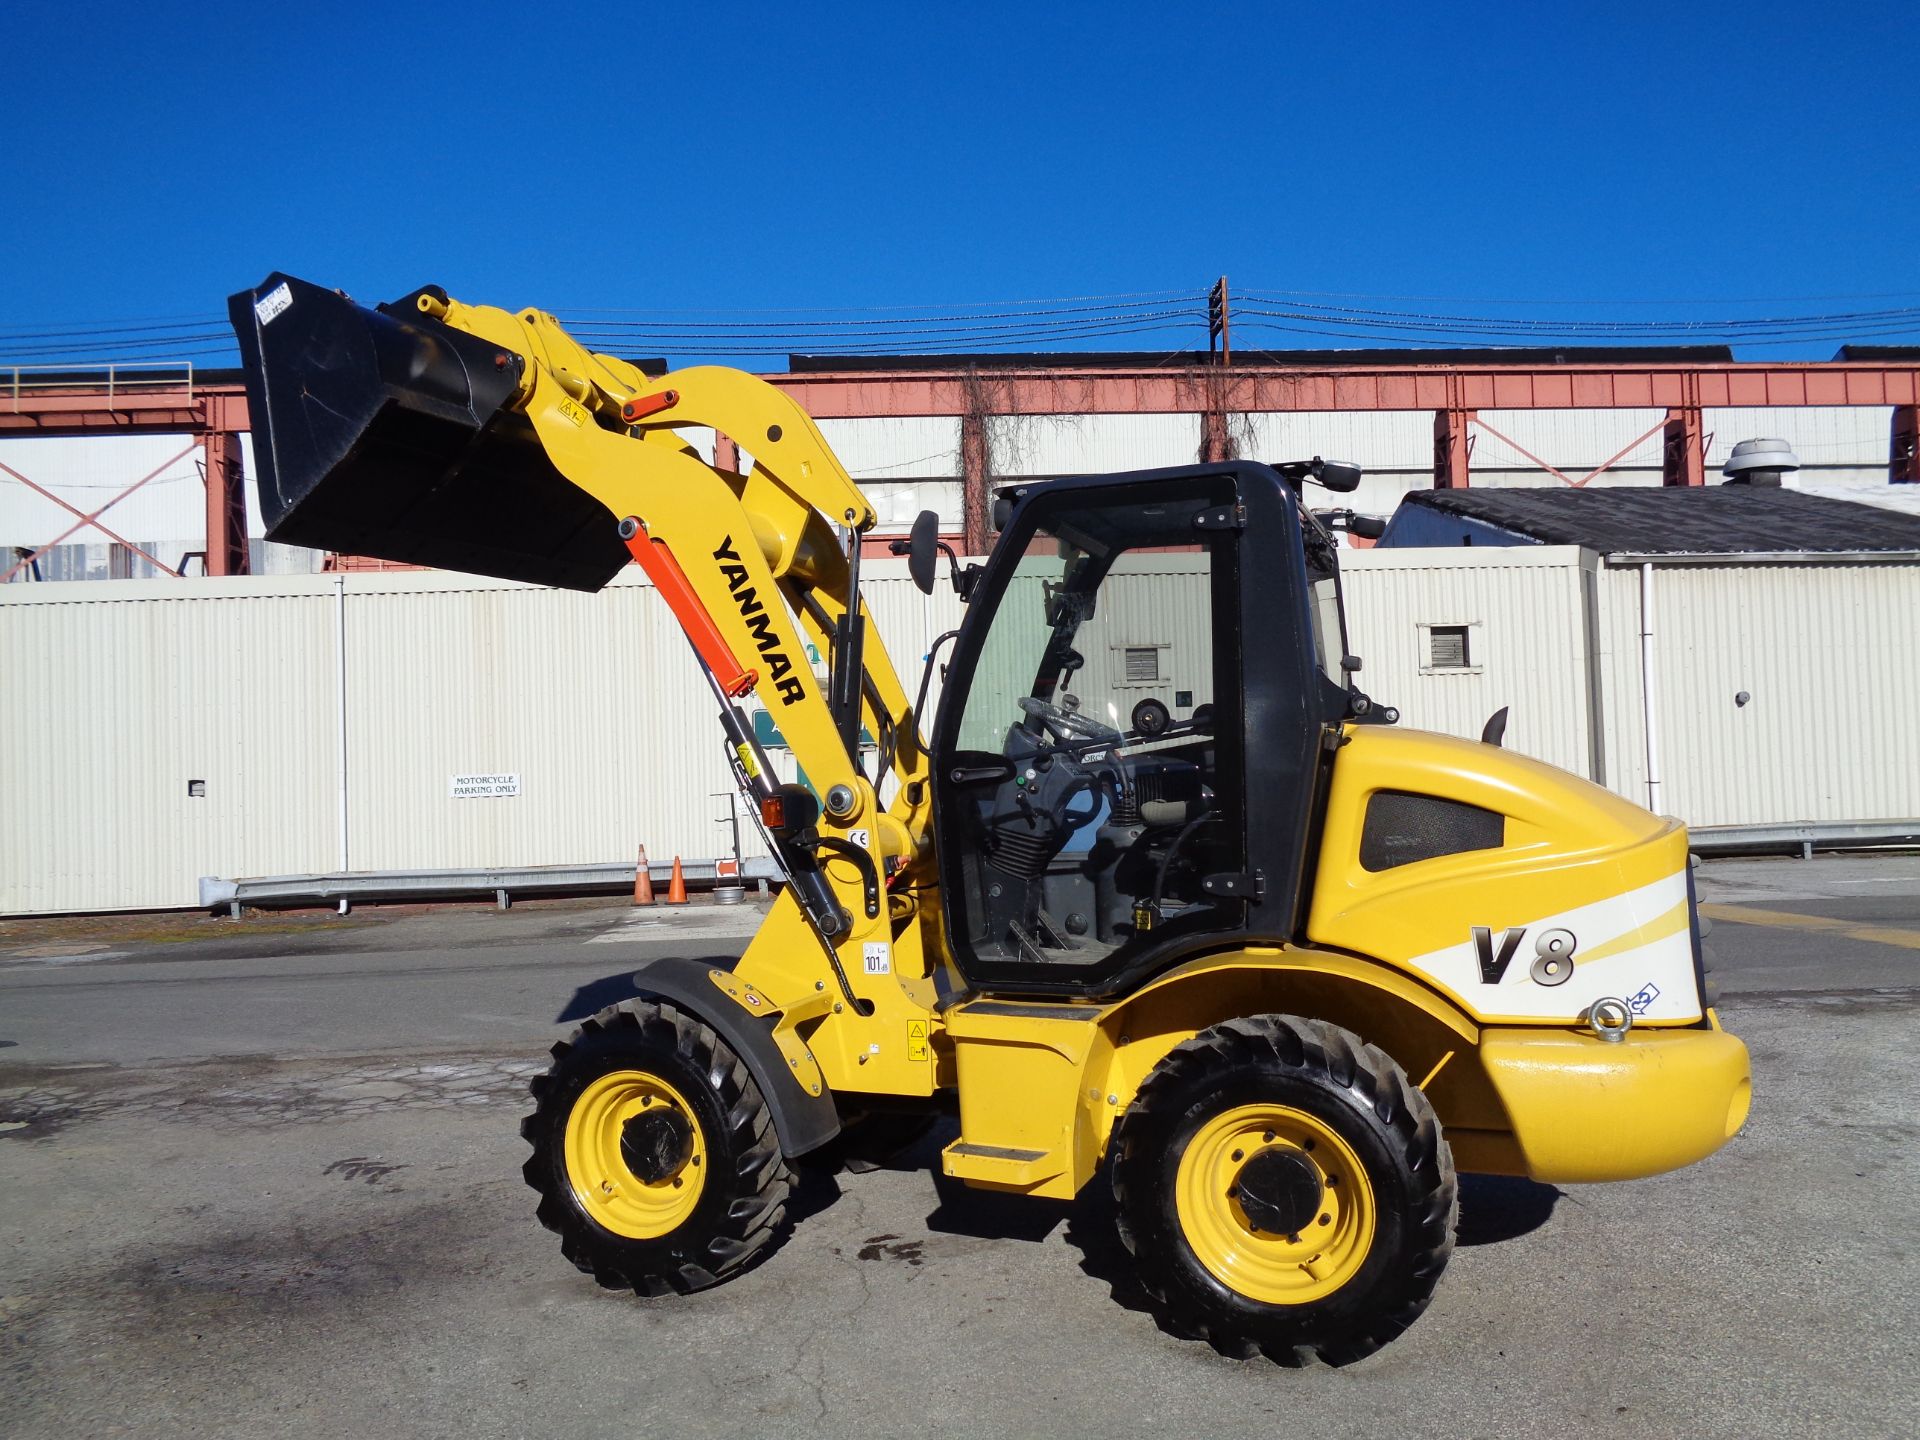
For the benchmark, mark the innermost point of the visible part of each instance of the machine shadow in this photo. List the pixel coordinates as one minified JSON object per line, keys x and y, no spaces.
{"x":1493,"y":1209}
{"x":989,"y":1215}
{"x":1496,"y":1208}
{"x":1093,"y":1229}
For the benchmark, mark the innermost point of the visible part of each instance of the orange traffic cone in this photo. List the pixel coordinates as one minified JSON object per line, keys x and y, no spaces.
{"x":642,"y":880}
{"x":677,"y":885}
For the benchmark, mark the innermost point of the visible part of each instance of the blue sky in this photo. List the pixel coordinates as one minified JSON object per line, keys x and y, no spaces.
{"x":1616,"y":161}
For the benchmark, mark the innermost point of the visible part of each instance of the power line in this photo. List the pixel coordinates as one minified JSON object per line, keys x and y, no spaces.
{"x":1142,"y":295}
{"x":999,"y":325}
{"x":1607,"y":326}
{"x":1254,"y":292}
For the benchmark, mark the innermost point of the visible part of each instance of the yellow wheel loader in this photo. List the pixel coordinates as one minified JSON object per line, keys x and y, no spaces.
{"x":1157,"y":899}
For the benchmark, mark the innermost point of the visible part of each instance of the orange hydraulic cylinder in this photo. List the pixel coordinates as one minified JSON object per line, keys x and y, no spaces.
{"x":674,"y":587}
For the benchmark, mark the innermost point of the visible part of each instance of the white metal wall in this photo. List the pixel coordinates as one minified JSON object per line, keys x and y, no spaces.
{"x":1826,"y":655}
{"x":904,"y":464}
{"x":1089,"y":444}
{"x":1393,"y":447}
{"x":166,"y":516}
{"x":117,"y":695}
{"x":1576,"y":442}
{"x":1831,"y":441}
{"x":120,"y":693}
{"x":1527,"y":642}
{"x":907,"y":463}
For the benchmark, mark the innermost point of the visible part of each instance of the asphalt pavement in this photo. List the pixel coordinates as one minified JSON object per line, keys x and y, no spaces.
{"x":262,"y":1177}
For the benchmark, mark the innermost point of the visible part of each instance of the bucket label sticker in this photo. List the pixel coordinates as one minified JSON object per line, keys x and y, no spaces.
{"x":273,"y":304}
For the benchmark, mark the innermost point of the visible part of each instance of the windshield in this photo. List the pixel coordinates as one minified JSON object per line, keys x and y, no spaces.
{"x":1093,"y":628}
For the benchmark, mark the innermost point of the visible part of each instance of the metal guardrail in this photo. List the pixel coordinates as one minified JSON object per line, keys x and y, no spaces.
{"x":118,"y":378}
{"x":502,"y":883}
{"x":505,"y":882}
{"x":1797,"y":839}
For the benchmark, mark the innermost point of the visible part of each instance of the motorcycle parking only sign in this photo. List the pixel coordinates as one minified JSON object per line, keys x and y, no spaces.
{"x":483,"y":787}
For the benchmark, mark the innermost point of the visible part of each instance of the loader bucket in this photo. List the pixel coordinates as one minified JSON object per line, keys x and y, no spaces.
{"x":385,"y":433}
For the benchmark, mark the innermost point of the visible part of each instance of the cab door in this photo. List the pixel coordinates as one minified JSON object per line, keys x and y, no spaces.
{"x":1090,"y":779}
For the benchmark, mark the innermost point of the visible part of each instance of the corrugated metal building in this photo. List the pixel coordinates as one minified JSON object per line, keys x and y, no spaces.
{"x":1782,"y":651}
{"x":140,"y":688}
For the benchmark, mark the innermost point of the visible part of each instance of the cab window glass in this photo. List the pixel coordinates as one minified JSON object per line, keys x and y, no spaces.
{"x":1095,"y":802}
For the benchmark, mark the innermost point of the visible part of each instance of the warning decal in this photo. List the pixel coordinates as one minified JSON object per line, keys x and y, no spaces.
{"x":916,"y":1039}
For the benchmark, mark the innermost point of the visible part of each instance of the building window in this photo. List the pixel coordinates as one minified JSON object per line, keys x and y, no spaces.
{"x":1447,"y":648}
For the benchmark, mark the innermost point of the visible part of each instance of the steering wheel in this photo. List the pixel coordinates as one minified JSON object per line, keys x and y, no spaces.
{"x":1067,"y":726}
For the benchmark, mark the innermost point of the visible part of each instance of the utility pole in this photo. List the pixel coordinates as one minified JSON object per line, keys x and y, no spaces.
{"x":1216,"y":438}
{"x":1219,"y":324}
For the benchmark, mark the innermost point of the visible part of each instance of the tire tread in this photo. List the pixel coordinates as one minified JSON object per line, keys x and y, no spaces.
{"x":1321,"y":1051}
{"x":747,"y":1227}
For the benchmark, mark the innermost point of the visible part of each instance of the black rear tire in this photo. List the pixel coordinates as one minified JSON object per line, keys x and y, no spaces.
{"x":1359,"y":1101}
{"x":741,"y":1208}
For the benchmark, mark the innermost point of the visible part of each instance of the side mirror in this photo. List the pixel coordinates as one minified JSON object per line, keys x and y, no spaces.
{"x":923,"y":550}
{"x":1367,"y":527}
{"x":1341,"y":475}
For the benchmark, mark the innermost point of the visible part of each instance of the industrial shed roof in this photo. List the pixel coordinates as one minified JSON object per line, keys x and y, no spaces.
{"x":1706,"y":520}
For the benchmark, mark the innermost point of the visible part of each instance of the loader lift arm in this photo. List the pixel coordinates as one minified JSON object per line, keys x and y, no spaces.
{"x":443,"y":415}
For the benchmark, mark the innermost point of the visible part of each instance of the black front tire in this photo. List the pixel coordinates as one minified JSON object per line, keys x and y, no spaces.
{"x":741,"y":1210}
{"x":1353,"y":1090}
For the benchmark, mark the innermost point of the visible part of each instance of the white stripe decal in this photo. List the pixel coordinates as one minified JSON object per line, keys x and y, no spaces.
{"x":1629,"y":947}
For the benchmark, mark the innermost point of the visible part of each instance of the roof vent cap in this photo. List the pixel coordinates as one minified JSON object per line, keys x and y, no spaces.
{"x":1759,"y":462}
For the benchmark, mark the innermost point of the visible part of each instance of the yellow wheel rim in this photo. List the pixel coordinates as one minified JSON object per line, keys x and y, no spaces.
{"x":1309,"y":1264}
{"x":603,"y":1182}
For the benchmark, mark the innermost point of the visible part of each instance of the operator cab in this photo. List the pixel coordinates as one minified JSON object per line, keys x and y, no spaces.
{"x":1094,"y":755}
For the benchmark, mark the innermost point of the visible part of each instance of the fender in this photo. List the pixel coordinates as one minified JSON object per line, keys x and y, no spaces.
{"x":803,"y":1122}
{"x":1431,"y":1038}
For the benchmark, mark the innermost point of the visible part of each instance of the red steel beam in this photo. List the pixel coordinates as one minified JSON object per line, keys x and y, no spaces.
{"x":225,"y":480}
{"x":852,"y":395}
{"x":1068,"y":390}
{"x":204,"y":410}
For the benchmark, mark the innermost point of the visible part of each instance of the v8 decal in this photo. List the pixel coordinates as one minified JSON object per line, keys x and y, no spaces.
{"x":1552,"y":955}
